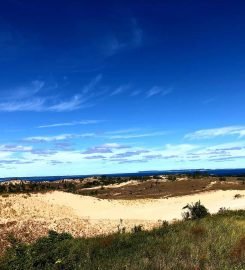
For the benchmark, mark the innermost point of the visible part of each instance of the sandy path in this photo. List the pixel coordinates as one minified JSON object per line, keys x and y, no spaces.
{"x":128,"y":183}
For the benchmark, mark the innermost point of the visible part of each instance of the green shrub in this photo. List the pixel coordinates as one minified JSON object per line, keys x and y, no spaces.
{"x":172,"y":177}
{"x":195,"y":211}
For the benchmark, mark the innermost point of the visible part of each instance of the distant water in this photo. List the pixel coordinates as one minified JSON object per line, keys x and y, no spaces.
{"x":217,"y":172}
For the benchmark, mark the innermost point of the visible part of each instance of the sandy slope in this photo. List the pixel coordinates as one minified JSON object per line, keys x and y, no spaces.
{"x":29,"y":217}
{"x":164,"y":209}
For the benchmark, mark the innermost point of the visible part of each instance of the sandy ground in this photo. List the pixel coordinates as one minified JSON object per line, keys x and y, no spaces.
{"x":148,"y":209}
{"x":29,"y":217}
{"x":128,"y":183}
{"x":55,"y":206}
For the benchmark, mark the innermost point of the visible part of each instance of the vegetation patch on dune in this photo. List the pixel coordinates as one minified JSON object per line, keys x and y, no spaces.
{"x":140,"y":187}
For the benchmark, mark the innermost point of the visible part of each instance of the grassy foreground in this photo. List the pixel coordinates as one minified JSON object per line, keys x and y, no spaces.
{"x":214,"y":242}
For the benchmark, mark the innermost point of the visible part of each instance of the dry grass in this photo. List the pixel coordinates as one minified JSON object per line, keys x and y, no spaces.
{"x":163,"y":188}
{"x":212,"y":243}
{"x":238,"y":251}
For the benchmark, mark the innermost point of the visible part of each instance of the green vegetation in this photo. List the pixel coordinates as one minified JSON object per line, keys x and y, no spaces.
{"x":64,"y":185}
{"x":195,"y":211}
{"x":76,"y":186}
{"x":198,"y":175}
{"x":172,"y":177}
{"x":214,"y":242}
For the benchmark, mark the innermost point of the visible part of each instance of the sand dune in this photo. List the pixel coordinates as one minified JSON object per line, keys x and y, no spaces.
{"x":148,"y":209}
{"x":29,"y":217}
{"x":62,"y":205}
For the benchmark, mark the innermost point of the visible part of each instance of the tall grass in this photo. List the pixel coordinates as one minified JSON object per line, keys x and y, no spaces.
{"x":216,"y":242}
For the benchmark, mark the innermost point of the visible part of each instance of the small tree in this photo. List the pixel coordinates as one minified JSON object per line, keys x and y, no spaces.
{"x":195,"y":211}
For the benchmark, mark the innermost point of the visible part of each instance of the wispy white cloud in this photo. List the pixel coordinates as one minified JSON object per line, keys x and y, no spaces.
{"x":110,"y":135}
{"x":109,"y":154}
{"x":60,"y":137}
{"x":130,"y":154}
{"x":123,"y":131}
{"x":105,"y":148}
{"x":34,"y":104}
{"x":22,"y":93}
{"x":26,"y":91}
{"x":123,"y":161}
{"x":136,"y":135}
{"x":41,"y":105}
{"x":230,"y":145}
{"x":76,"y":102}
{"x":125,"y":134}
{"x":14,"y":161}
{"x":26,"y":98}
{"x":100,"y":157}
{"x":157,"y":90}
{"x":177,"y":149}
{"x":215,"y":132}
{"x":91,"y":85}
{"x":153,"y":156}
{"x":135,"y":93}
{"x":49,"y":138}
{"x":72,"y":123}
{"x":120,"y":90}
{"x":15,"y":148}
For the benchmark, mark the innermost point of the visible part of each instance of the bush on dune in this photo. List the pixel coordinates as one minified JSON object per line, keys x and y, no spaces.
{"x":195,"y":211}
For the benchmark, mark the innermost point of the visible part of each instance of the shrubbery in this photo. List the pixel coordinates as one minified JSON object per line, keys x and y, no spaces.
{"x":172,"y":177}
{"x":195,"y":211}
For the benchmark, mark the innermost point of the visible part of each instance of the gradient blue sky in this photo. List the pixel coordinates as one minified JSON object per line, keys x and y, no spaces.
{"x":121,"y":86}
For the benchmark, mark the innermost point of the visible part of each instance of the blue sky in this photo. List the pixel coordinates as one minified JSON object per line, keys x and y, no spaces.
{"x":121,"y":86}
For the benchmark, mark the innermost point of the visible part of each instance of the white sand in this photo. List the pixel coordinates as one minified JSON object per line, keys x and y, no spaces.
{"x":128,"y":183}
{"x":147,"y":209}
{"x":86,"y":216}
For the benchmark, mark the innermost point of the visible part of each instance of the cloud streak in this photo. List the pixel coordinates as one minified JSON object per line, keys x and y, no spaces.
{"x":105,"y":148}
{"x":72,"y":123}
{"x":110,"y":135}
{"x":49,"y":138}
{"x":157,"y":90}
{"x":217,"y":132}
{"x":25,"y":98}
{"x":130,"y":154}
{"x":15,"y":148}
{"x":61,"y":152}
{"x":135,"y":135}
{"x":61,"y":137}
{"x":120,"y":90}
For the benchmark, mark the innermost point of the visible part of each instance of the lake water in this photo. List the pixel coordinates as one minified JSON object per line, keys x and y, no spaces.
{"x":217,"y":172}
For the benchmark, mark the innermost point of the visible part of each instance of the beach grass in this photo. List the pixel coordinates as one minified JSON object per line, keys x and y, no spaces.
{"x":215,"y":242}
